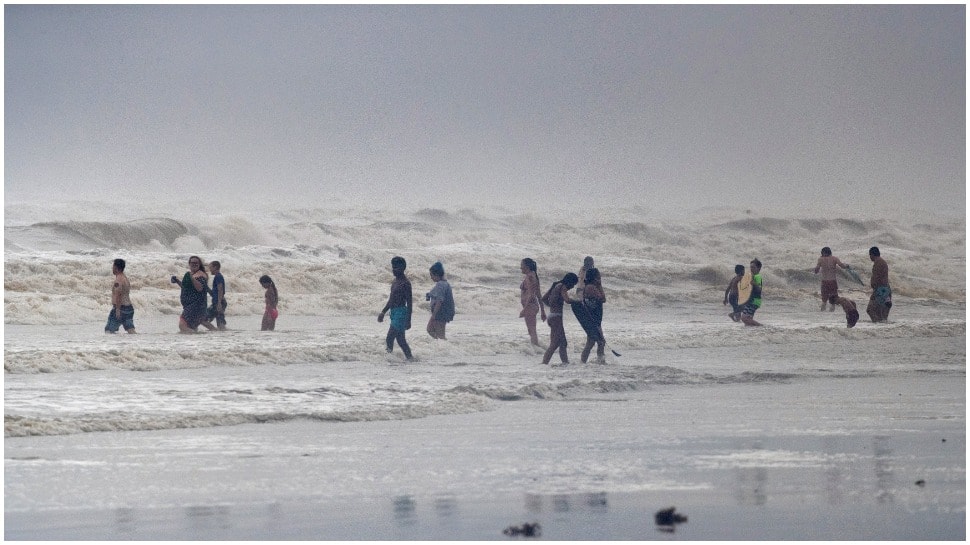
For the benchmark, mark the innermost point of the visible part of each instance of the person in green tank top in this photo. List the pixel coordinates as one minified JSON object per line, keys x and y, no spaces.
{"x":754,"y":303}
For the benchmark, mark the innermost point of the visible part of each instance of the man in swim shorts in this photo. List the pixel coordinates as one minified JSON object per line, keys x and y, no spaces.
{"x":754,"y":303}
{"x":122,"y":313}
{"x":881,"y":300}
{"x":827,"y":264}
{"x":399,"y":304}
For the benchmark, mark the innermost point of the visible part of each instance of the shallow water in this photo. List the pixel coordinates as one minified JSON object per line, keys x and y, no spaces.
{"x":802,"y":429}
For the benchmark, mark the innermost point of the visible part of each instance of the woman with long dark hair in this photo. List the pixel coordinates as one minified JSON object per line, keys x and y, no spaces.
{"x":530,"y":298}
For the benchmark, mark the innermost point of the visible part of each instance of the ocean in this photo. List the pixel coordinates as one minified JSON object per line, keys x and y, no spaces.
{"x":325,"y":366}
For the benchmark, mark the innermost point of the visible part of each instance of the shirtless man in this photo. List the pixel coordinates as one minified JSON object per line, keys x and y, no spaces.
{"x":881,"y":301}
{"x":827,"y":263}
{"x":122,"y":313}
{"x":400,"y":306}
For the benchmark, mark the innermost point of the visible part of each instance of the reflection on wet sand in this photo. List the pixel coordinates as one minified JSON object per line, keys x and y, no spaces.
{"x":882,"y":453}
{"x":752,"y":482}
{"x":564,"y":503}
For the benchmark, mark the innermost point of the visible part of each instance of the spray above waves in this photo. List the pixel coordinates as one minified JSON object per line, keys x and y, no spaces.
{"x":338,"y":261}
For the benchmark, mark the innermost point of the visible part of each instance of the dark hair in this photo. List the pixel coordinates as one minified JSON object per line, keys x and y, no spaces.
{"x":399,"y":261}
{"x":215,"y":264}
{"x":756,"y":262}
{"x":437,"y":269}
{"x":826,"y":251}
{"x":570,"y":281}
{"x":874,"y":251}
{"x":120,"y":264}
{"x":739,"y":269}
{"x":532,"y":266}
{"x":265,"y":279}
{"x":591,"y":275}
{"x":201,"y":263}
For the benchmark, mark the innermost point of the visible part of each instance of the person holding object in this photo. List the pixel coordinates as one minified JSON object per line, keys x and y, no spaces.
{"x":827,"y":264}
{"x":194,"y":286}
{"x":754,"y":302}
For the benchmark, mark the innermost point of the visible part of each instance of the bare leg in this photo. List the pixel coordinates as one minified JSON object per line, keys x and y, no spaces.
{"x":557,"y":340}
{"x":587,"y":349}
{"x":530,"y":324}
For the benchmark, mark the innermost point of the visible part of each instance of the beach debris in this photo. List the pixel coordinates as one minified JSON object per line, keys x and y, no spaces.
{"x":525,"y":530}
{"x":921,"y":483}
{"x":667,"y":519}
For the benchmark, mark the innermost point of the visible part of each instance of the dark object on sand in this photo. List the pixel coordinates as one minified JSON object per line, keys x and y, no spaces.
{"x":921,"y":482}
{"x":669,"y":517}
{"x":526,"y":530}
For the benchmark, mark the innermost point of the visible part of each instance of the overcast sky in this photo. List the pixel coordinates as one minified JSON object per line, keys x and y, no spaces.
{"x":447,"y":106}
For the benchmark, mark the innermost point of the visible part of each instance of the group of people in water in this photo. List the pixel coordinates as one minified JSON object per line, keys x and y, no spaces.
{"x":880,"y":301}
{"x":587,"y":301}
{"x":400,"y":305}
{"x":195,"y":293}
{"x":583,"y":292}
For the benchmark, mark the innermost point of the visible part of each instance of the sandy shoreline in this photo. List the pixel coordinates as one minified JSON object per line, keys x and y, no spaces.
{"x":741,"y":461}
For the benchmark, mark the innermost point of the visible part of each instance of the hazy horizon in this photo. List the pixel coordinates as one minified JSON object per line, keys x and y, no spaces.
{"x":759,"y":107}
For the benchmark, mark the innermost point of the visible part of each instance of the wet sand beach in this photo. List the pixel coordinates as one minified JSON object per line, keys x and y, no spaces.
{"x":833,"y":459}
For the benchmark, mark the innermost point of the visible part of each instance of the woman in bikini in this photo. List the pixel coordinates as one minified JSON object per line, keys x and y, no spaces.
{"x":272,"y":299}
{"x":530,"y":298}
{"x":556,"y":297}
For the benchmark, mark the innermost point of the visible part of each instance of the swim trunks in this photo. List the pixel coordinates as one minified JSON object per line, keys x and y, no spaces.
{"x":399,"y":317}
{"x":829,"y":288}
{"x":127,"y":319}
{"x":883,"y":295}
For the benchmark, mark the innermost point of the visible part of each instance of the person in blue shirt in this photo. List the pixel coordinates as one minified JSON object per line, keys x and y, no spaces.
{"x":218,"y":292}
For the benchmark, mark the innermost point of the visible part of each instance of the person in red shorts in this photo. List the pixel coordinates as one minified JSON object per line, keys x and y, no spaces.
{"x":827,"y":264}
